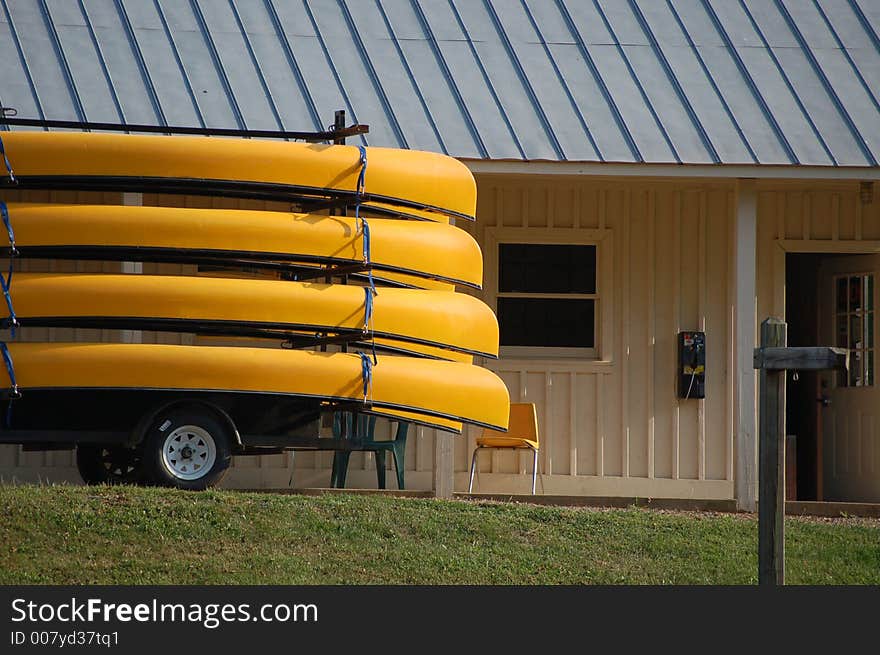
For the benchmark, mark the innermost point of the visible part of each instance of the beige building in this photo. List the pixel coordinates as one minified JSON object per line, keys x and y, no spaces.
{"x":639,"y":176}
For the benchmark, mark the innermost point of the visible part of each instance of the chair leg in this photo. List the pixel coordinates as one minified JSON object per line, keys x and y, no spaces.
{"x":380,"y":468}
{"x":398,"y":450}
{"x":341,"y":468}
{"x":399,"y":462}
{"x":535,"y":473}
{"x":473,"y":468}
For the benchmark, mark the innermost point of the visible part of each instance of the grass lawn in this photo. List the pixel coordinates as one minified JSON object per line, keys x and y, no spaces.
{"x":117,"y":535}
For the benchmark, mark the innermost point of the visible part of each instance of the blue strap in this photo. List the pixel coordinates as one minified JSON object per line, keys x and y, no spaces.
{"x":12,"y":321}
{"x":14,"y":392}
{"x":369,"y":294}
{"x":370,"y":291}
{"x":362,"y":177}
{"x":6,"y":161}
{"x":365,"y":231}
{"x":367,"y":373}
{"x":4,"y":212}
{"x":362,"y":222}
{"x":6,"y":281}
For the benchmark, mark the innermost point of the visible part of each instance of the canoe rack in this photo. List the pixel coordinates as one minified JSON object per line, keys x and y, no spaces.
{"x":336,"y":133}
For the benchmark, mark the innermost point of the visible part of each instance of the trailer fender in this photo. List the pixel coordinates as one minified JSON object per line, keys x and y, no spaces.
{"x":140,"y":430}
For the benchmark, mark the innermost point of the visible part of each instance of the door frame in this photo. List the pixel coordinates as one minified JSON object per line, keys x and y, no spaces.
{"x":824,"y":247}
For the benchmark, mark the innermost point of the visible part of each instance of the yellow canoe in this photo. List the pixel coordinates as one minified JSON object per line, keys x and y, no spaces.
{"x":449,"y":391}
{"x":399,"y":250}
{"x":259,"y":168}
{"x":441,"y":319}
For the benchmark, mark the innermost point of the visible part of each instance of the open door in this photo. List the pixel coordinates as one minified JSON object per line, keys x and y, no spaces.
{"x":849,"y":415}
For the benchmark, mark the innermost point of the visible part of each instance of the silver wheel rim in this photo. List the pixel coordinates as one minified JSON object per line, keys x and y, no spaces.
{"x":189,"y":452}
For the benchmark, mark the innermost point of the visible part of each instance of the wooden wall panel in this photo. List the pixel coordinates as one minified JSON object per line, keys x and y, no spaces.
{"x":718,"y":438}
{"x":585,"y":430}
{"x":689,"y":318}
{"x":671,"y":265}
{"x":666,"y":291}
{"x":638,"y":272}
{"x":868,"y":217}
{"x":819,"y":210}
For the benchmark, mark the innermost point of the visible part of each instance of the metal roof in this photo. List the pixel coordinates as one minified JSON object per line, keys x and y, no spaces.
{"x":661,"y":81}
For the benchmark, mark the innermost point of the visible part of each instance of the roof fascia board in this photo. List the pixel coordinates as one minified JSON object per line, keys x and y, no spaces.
{"x":723,"y":171}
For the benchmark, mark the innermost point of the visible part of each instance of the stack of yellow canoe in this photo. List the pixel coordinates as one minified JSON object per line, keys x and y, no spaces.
{"x":382,"y":281}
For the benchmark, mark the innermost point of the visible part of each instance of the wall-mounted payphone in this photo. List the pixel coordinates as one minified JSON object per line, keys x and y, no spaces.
{"x":691,"y":364}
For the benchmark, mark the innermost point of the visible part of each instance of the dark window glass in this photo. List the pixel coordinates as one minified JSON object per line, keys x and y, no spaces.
{"x":547,"y":322}
{"x":542,"y":268}
{"x":841,"y":294}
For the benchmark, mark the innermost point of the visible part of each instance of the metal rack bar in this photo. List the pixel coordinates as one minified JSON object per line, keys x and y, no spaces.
{"x":336,"y":134}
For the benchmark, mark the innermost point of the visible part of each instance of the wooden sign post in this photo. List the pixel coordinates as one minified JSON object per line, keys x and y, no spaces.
{"x":773,"y":359}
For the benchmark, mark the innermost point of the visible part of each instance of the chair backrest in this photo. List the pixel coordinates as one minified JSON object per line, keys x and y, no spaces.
{"x":353,"y":425}
{"x":523,"y":423}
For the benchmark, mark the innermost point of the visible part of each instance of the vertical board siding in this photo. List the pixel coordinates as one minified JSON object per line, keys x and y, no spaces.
{"x":689,"y":319}
{"x":665,"y":327}
{"x":638,"y":336}
{"x":606,"y":425}
{"x":717,"y":325}
{"x":868,"y":223}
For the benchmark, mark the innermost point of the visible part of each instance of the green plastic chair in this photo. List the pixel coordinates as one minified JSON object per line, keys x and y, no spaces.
{"x":360,"y":429}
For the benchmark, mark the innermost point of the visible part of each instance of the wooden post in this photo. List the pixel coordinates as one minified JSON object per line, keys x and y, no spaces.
{"x":746,"y":218}
{"x":338,"y":124}
{"x":771,"y":471}
{"x":773,"y":359}
{"x":444,"y":475}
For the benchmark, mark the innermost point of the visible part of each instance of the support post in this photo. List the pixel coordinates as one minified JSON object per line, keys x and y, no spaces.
{"x":745,"y":478}
{"x":444,"y":475}
{"x":339,"y":125}
{"x":771,"y":485}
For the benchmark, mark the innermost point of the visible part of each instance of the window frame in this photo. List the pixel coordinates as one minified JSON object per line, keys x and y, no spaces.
{"x":865,"y":351}
{"x":603,"y":296}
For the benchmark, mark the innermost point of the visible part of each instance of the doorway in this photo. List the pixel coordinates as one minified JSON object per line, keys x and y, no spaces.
{"x":801,"y":410}
{"x":834,"y":417}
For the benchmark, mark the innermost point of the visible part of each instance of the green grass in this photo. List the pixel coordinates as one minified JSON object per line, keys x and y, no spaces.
{"x":116,"y":535}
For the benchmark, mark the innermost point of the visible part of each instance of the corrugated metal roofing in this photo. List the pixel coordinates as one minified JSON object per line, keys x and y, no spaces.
{"x":661,"y":81}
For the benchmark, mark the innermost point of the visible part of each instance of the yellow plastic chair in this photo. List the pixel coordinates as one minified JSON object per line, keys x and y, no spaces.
{"x":522,"y":433}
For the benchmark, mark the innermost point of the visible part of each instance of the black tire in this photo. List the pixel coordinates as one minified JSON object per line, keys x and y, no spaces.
{"x":187,"y":448}
{"x":109,"y":464}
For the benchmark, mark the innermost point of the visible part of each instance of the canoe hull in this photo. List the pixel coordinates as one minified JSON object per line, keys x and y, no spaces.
{"x":416,"y":250}
{"x":274,"y":308}
{"x":403,"y":178}
{"x":450,"y":391}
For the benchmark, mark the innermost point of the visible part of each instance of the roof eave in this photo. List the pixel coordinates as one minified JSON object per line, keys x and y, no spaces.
{"x":716,"y":171}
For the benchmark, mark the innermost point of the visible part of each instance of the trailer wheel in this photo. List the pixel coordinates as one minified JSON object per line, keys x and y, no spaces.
{"x":187,"y":449}
{"x":109,"y":464}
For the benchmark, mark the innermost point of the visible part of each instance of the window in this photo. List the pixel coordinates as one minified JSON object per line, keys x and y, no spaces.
{"x":854,"y":327}
{"x":547,"y":299}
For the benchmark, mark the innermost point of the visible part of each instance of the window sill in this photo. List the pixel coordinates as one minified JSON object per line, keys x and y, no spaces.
{"x":560,"y":364}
